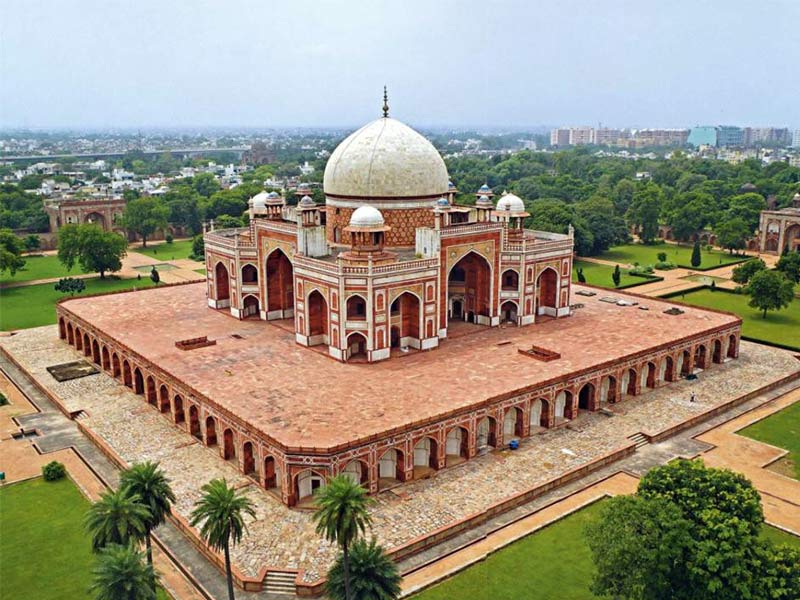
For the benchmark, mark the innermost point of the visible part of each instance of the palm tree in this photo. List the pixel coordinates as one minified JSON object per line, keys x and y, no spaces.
{"x":150,"y":483}
{"x":117,"y":518}
{"x":221,"y":511}
{"x":342,"y":517}
{"x":121,"y":574}
{"x":373,"y":575}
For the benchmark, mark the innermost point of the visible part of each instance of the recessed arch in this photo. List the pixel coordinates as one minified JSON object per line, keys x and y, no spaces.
{"x":700,"y":356}
{"x":177,"y":409}
{"x":508,"y":311}
{"x":456,"y":445}
{"x":426,"y":456}
{"x":486,"y":433}
{"x":513,"y":424}
{"x":194,"y":422}
{"x":138,"y":381}
{"x":62,"y":329}
{"x":563,"y":405}
{"x":228,"y":445}
{"x":509,"y":280}
{"x":356,"y":346}
{"x":222,"y":284}
{"x":150,"y":391}
{"x":78,"y":339}
{"x":717,"y":354}
{"x":586,"y":397}
{"x":105,"y":358}
{"x":87,"y":345}
{"x":651,"y":375}
{"x":405,"y":320}
{"x":70,"y":334}
{"x":356,"y":307}
{"x":475,"y":289}
{"x":391,"y":468}
{"x":249,"y":274}
{"x":608,"y":389}
{"x":357,"y":471}
{"x":96,"y":352}
{"x":547,"y":292}
{"x":279,"y":285}
{"x":539,"y":414}
{"x":249,"y":459}
{"x":250,"y":307}
{"x":317,"y":318}
{"x":307,"y":483}
{"x":211,"y":431}
{"x":732,"y":350}
{"x":116,"y":367}
{"x":272,"y":480}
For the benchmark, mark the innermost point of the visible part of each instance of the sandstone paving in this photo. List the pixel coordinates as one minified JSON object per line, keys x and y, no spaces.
{"x":284,"y":538}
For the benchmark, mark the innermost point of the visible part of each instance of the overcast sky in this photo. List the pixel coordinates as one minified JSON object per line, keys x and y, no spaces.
{"x":142,"y":63}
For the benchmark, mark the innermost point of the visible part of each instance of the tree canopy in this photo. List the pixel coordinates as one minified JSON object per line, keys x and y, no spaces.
{"x":91,"y":247}
{"x":770,"y":290}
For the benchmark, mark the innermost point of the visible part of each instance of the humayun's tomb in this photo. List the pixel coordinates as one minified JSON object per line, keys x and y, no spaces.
{"x":388,"y":334}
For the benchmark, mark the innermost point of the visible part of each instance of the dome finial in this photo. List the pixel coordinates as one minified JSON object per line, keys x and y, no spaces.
{"x":385,"y":103}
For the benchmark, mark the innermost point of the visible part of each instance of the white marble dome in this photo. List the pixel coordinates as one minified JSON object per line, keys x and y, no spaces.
{"x":511,"y":203}
{"x":259,"y":201}
{"x":385,"y":159}
{"x":366,"y":216}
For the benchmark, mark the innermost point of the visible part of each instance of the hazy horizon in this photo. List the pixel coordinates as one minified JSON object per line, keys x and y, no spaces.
{"x":92,"y":65}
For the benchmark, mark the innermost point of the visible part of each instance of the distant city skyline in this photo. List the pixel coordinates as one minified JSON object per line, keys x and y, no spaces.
{"x":87,"y":64}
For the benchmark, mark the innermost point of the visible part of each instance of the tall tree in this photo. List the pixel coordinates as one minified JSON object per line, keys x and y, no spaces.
{"x":373,"y":574}
{"x":149,"y":482}
{"x":122,"y":574}
{"x":144,"y":216}
{"x":770,"y":290}
{"x":732,"y":233}
{"x":789,"y":265}
{"x":696,"y":259}
{"x":10,"y":252}
{"x":118,"y":517}
{"x":743,"y":272}
{"x":91,"y":247}
{"x":342,"y":517}
{"x":644,"y":211}
{"x":220,"y":514}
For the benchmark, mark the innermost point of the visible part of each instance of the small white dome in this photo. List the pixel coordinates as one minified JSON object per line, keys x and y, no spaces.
{"x":306,"y":201}
{"x":366,"y":216}
{"x":259,"y":200}
{"x":511,"y":203}
{"x":484,"y":200}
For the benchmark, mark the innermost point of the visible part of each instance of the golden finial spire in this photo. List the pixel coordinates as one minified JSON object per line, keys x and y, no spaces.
{"x":385,"y":103}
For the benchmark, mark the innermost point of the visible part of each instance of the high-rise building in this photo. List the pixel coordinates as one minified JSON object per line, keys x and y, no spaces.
{"x":559,"y":137}
{"x":661,"y":137}
{"x":771,"y":136}
{"x":703,"y":136}
{"x":729,"y":135}
{"x":796,"y":139}
{"x":604,"y":136}
{"x":581,"y":136}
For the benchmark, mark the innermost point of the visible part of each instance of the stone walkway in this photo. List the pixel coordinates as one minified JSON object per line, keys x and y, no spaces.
{"x":283,"y":538}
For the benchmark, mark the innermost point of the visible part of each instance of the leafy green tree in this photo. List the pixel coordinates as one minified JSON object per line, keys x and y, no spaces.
{"x":639,"y":547}
{"x":227,"y":222}
{"x":32,"y":242}
{"x":149,"y":483}
{"x":198,"y":247}
{"x":644,"y":211}
{"x":122,"y":574}
{"x":91,"y":247}
{"x":205,"y":184}
{"x":342,"y":517}
{"x":616,"y":276}
{"x":70,"y":285}
{"x":118,"y":517}
{"x":602,"y":221}
{"x":144,"y":216}
{"x":770,"y":290}
{"x":733,"y":233}
{"x":696,"y":259}
{"x":10,"y":252}
{"x":789,"y":265}
{"x":373,"y":574}
{"x":747,"y":207}
{"x":694,"y":210}
{"x":220,"y":514}
{"x":743,"y":272}
{"x":662,"y":257}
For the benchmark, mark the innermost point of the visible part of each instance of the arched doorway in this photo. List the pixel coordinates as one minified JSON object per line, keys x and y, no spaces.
{"x":248,"y":460}
{"x":95,"y":352}
{"x":391,"y":468}
{"x":211,"y":432}
{"x":317,"y":319}
{"x":228,"y":445}
{"x":307,"y":483}
{"x":87,"y":346}
{"x":62,"y":329}
{"x":116,"y":369}
{"x":509,"y":281}
{"x":357,"y":472}
{"x":485,"y":434}
{"x":513,"y":424}
{"x":668,"y":369}
{"x":563,"y":406}
{"x":194,"y":422}
{"x":457,"y":309}
{"x":426,"y":457}
{"x":405,"y":321}
{"x":732,"y":346}
{"x":105,"y":359}
{"x":250,"y":307}
{"x":356,"y":346}
{"x":70,"y":334}
{"x":608,"y":389}
{"x":222,"y":286}
{"x":456,"y":446}
{"x":177,"y":410}
{"x":95,"y":218}
{"x":127,"y":376}
{"x":717,"y":352}
{"x":138,"y":382}
{"x":356,"y":307}
{"x":700,"y":357}
{"x":586,"y":397}
{"x":547,"y":293}
{"x":629,"y":382}
{"x":470,"y":279}
{"x":540,"y":414}
{"x":684,"y":363}
{"x":249,"y":275}
{"x":652,"y":378}
{"x":150,"y":391}
{"x":279,"y":286}
{"x":508,"y":312}
{"x":271,"y":478}
{"x":78,"y":339}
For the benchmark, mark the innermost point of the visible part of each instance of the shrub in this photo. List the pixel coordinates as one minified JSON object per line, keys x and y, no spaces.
{"x":168,"y":238}
{"x":662,"y":257}
{"x":665,"y":266}
{"x":53,"y":471}
{"x":3,"y":399}
{"x":641,"y":270}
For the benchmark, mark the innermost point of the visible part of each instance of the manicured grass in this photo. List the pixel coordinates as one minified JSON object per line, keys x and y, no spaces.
{"x":39,"y":267}
{"x":34,"y":305}
{"x":165,"y":251}
{"x":780,"y":327}
{"x":680,"y":255}
{"x":554,"y":562}
{"x":781,"y":429}
{"x":45,"y":552}
{"x":779,"y":536}
{"x":201,"y":271}
{"x":600,"y":275}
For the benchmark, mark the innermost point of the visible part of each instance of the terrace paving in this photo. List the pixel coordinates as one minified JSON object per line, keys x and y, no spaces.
{"x":283,"y":538}
{"x":273,"y":384}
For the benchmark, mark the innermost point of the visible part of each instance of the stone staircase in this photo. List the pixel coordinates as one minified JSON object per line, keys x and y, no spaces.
{"x":280,"y":583}
{"x":639,"y":439}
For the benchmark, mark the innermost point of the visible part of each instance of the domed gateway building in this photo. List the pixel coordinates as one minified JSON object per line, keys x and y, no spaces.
{"x":387,"y":334}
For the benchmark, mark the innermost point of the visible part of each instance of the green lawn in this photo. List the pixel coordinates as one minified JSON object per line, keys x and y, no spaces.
{"x":45,"y":552}
{"x":781,"y":327}
{"x":781,"y":429}
{"x":34,"y":305}
{"x":554,"y":562}
{"x":165,"y":251}
{"x":39,"y":267}
{"x":779,"y":536}
{"x":600,"y":275}
{"x":680,"y":255}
